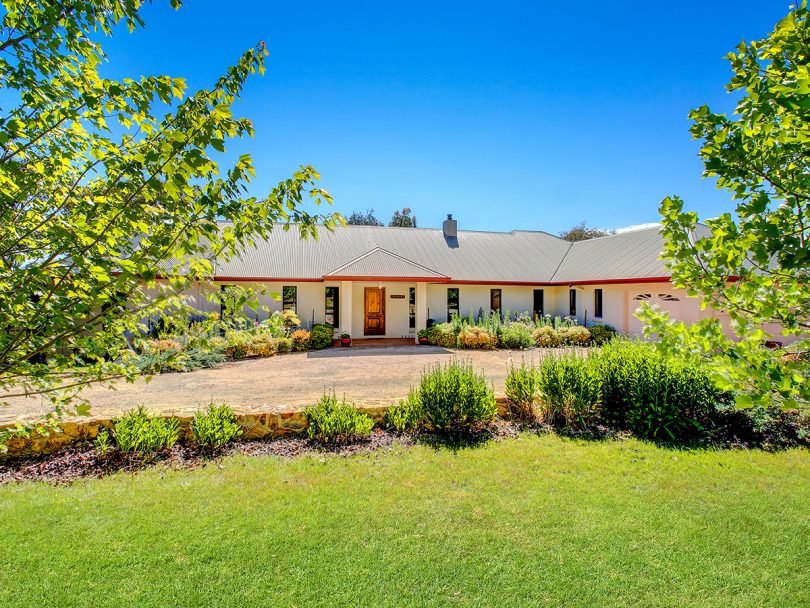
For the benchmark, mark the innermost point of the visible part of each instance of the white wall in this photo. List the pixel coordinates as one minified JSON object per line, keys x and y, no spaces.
{"x":618,"y":305}
{"x":514,"y":298}
{"x":396,"y":309}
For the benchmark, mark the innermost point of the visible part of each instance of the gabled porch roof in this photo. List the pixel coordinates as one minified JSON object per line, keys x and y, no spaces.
{"x":380,"y":264}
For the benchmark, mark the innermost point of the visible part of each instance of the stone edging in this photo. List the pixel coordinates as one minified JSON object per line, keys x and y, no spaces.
{"x":275,"y":422}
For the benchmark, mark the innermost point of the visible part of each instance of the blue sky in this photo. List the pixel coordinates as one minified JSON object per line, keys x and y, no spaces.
{"x":531,"y":115}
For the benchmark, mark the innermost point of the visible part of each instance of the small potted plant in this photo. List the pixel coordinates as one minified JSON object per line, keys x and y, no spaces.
{"x":422,"y":336}
{"x":345,"y":339}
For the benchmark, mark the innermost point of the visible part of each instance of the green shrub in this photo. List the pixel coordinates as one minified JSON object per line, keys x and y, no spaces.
{"x":443,"y":334}
{"x":103,"y":442}
{"x":263,"y":345}
{"x":405,"y":417}
{"x":522,"y":391}
{"x":321,"y":336}
{"x":137,"y":432}
{"x":569,"y":388}
{"x":453,"y":397}
{"x":655,"y":396}
{"x":546,"y":337}
{"x":575,"y":335}
{"x":476,"y":338}
{"x":602,"y":334}
{"x":238,"y":344}
{"x":516,"y":336}
{"x":331,"y":421}
{"x":283,"y":345}
{"x":214,"y":427}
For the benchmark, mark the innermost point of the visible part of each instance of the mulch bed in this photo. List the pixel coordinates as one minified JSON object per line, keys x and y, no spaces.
{"x":83,"y":461}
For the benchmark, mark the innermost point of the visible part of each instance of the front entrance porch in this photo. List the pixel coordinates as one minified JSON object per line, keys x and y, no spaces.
{"x":382,"y":310}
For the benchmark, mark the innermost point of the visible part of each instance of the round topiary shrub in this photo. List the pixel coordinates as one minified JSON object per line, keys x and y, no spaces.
{"x":321,"y":336}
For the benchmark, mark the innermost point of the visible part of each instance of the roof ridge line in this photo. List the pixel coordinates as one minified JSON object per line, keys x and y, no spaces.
{"x":562,"y":259}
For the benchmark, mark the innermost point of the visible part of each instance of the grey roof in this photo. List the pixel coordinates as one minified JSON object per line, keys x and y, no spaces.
{"x":473,"y":256}
{"x":486,"y":257}
{"x":634,"y":254}
{"x":381,"y":263}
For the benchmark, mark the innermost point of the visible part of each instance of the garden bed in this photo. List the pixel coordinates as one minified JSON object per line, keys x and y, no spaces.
{"x":80,"y":461}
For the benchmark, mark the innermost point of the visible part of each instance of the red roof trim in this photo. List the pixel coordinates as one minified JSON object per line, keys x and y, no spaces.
{"x":441,"y":280}
{"x":560,"y":283}
{"x":615,"y":281}
{"x":268,"y":279}
{"x":388,"y":279}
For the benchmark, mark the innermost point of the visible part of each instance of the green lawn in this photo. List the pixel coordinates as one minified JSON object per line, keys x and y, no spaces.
{"x":528,"y":522}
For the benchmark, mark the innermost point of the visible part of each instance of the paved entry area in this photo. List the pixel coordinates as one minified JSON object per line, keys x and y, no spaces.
{"x":373,"y":376}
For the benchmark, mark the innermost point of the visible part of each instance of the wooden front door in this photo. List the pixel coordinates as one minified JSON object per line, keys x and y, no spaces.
{"x":374,"y":311}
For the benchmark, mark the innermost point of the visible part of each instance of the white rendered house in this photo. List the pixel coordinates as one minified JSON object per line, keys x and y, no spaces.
{"x":374,"y":281}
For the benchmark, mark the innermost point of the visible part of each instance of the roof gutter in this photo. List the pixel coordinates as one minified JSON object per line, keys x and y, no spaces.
{"x":335,"y":277}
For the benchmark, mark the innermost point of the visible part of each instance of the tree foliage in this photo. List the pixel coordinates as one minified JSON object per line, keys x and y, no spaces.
{"x":112,"y":200}
{"x":582,"y":232}
{"x":754,"y":263}
{"x":403,"y":219}
{"x":358,"y":218}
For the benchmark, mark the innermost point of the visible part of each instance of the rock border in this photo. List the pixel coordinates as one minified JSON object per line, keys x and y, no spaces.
{"x":266,"y":424}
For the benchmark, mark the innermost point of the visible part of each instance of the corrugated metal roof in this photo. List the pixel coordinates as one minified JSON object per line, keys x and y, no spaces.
{"x":486,"y":257}
{"x":381,"y":263}
{"x":473,"y":256}
{"x":634,"y":254}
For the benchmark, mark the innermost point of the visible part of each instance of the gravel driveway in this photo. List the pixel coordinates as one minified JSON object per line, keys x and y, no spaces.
{"x":374,"y":376}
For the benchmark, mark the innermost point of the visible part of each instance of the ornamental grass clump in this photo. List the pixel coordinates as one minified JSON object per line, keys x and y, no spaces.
{"x":569,"y":389}
{"x":453,"y":397}
{"x":215,"y":427}
{"x":138,"y":432}
{"x":333,"y":421}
